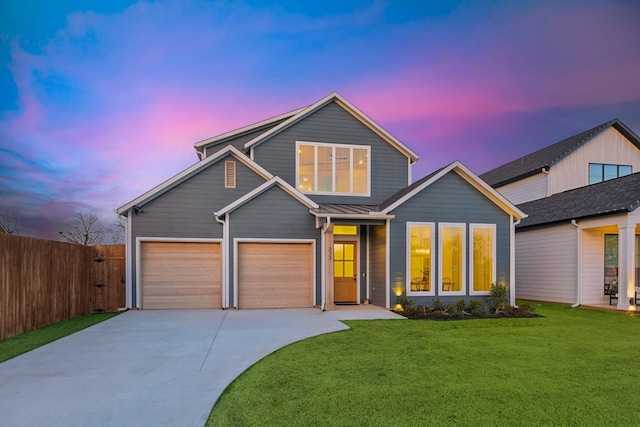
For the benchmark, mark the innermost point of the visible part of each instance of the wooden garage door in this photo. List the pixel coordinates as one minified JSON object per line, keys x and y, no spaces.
{"x":181,"y":275}
{"x":275,"y":275}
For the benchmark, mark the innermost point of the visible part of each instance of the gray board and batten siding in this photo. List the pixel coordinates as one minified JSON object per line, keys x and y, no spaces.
{"x":273,"y":214}
{"x":186,"y":210}
{"x":450,"y":199}
{"x":332,"y":124}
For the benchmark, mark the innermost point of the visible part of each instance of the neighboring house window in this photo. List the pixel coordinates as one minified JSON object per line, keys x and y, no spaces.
{"x":420,"y":258}
{"x":611,"y":262}
{"x":333,"y":168}
{"x":599,"y":172}
{"x":483,"y":257}
{"x":230,"y":174}
{"x":452,"y":258}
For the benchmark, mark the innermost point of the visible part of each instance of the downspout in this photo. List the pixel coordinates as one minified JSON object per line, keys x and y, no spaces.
{"x":225,"y":261}
{"x":323,"y":282}
{"x":128,"y":263}
{"x":512,"y":262}
{"x":546,"y":172}
{"x":578,"y":264}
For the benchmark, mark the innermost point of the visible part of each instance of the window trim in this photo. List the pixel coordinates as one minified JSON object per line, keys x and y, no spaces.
{"x":351,"y":147}
{"x":463,"y":287}
{"x":472,"y":228}
{"x":432,"y":292}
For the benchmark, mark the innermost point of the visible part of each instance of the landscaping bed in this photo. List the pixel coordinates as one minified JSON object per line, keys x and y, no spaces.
{"x":495,"y":308}
{"x":460,"y":310}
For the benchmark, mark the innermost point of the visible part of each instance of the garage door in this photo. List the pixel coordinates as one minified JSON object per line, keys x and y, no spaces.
{"x":275,"y":275}
{"x":180,"y":275}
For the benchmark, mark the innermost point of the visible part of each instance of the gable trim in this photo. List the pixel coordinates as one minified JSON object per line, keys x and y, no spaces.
{"x":472,"y":179}
{"x":236,"y":132}
{"x":189,"y":172}
{"x":351,"y":109}
{"x":276,"y":180}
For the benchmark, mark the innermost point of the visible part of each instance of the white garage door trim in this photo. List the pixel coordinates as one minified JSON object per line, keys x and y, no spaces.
{"x":246,"y":240}
{"x":141,"y":240}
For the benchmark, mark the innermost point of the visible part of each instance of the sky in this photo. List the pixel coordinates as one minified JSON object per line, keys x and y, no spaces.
{"x":102,"y":101}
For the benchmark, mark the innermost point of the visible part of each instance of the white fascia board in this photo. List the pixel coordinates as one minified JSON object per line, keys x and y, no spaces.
{"x":412,"y":155}
{"x":276,"y":180}
{"x":247,"y":128}
{"x":466,"y":174}
{"x":488,"y":191}
{"x":351,"y":109}
{"x":168,"y":184}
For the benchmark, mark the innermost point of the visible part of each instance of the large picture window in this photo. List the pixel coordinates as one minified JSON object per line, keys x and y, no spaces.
{"x":483,"y":257}
{"x":452,"y":259}
{"x":420,"y":258}
{"x":333,"y":168}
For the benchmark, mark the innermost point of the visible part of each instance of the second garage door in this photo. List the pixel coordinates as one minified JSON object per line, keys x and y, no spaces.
{"x":180,"y":275}
{"x":275,"y":275}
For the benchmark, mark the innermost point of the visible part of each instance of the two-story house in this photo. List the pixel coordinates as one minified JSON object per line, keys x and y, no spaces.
{"x":313,"y":208}
{"x":580,"y":243}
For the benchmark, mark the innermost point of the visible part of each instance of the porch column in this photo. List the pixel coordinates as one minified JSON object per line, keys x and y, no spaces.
{"x":328,"y":268}
{"x":626,"y":257}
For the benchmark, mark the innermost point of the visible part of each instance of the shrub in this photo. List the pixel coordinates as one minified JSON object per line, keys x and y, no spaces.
{"x":498,"y":296}
{"x":478,"y":308}
{"x":405,"y":301}
{"x":437,"y":305}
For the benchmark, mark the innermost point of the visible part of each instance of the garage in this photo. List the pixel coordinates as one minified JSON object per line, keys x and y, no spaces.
{"x":275,"y":275}
{"x":180,"y":275}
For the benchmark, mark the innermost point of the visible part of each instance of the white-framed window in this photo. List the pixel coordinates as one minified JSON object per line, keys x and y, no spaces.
{"x":420,"y":258}
{"x":452,"y":259}
{"x":482,"y":258}
{"x":230,"y":174}
{"x":336,"y":169}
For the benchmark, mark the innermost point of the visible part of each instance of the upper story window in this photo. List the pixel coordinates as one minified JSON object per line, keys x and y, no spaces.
{"x":333,"y":168}
{"x":599,"y":172}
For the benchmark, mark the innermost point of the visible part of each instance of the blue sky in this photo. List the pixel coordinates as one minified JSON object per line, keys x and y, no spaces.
{"x":101,"y":101}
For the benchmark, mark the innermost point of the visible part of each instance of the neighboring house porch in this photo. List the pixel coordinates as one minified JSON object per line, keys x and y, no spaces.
{"x":582,"y":246}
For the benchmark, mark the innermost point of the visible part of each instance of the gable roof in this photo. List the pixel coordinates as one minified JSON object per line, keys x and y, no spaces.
{"x":610,"y":197}
{"x":264,"y":124}
{"x":351,"y":109}
{"x":275,"y":181}
{"x":544,"y":158}
{"x":191,"y":171}
{"x":457,"y":167}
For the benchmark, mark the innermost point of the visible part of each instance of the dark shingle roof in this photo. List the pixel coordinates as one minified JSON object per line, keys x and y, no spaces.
{"x":606,"y":198}
{"x":546,"y":157}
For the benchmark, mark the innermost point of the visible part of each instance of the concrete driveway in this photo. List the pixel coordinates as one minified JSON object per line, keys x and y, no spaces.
{"x":151,"y":368}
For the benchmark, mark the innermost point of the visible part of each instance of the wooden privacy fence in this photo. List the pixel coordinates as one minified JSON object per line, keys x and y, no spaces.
{"x":46,"y":281}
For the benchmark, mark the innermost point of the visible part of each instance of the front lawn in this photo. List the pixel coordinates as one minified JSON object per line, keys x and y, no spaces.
{"x":573,"y":367}
{"x":15,"y":346}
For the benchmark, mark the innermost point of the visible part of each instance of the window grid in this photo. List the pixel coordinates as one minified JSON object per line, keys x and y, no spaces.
{"x":337,"y":169}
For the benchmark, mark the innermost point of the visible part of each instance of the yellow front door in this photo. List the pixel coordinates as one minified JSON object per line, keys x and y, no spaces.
{"x":345,"y":279}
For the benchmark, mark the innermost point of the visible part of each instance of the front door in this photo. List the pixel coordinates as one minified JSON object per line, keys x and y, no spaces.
{"x":345,"y":272}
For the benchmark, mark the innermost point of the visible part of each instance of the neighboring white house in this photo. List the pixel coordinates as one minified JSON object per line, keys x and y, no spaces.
{"x":580,"y":243}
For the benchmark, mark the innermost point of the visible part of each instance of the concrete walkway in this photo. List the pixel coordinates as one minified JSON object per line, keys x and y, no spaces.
{"x":151,"y":368}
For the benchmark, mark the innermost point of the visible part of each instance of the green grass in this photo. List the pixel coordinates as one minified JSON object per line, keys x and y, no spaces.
{"x":15,"y":346}
{"x":574,"y":367}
